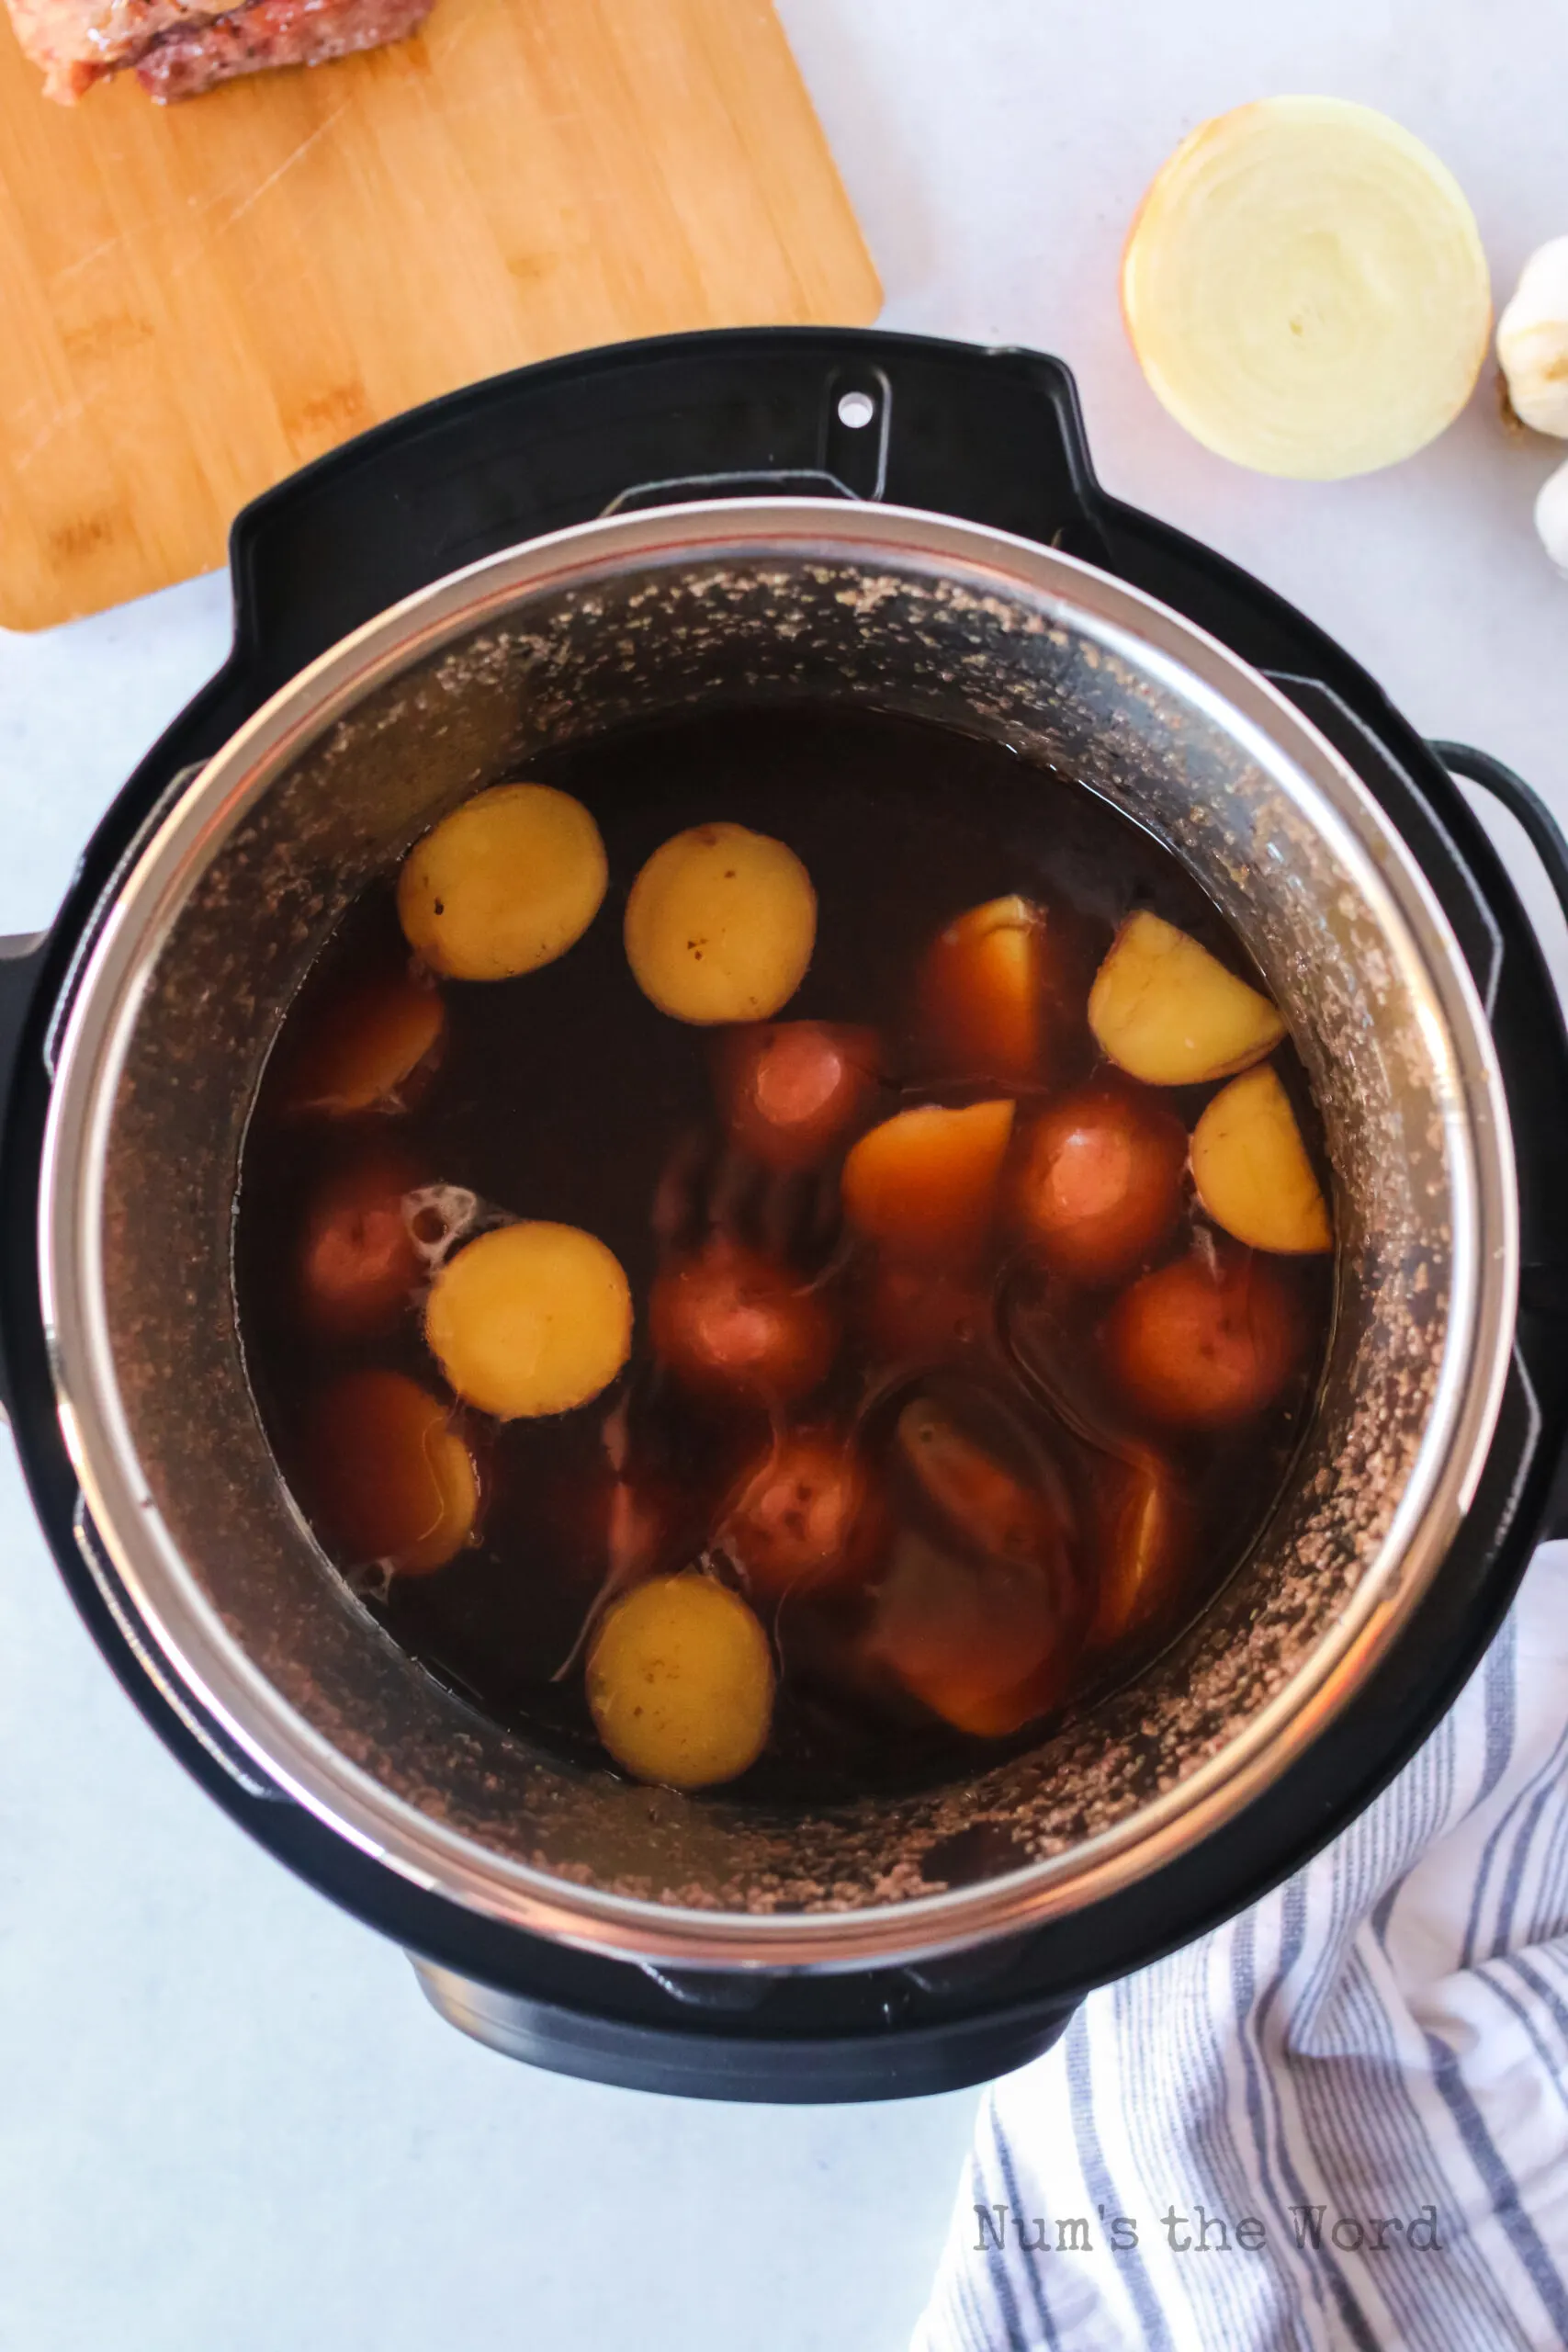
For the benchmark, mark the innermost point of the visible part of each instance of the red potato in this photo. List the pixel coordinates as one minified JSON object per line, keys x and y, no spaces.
{"x":389,"y":1475}
{"x":1144,"y":1536}
{"x":803,"y":1514}
{"x":731,"y":1323}
{"x":982,"y":992}
{"x":924,"y":1182}
{"x":986,"y":1645}
{"x":358,"y":1267}
{"x":1100,"y":1187}
{"x":1205,"y":1341}
{"x":790,"y":1091}
{"x":370,"y":1047}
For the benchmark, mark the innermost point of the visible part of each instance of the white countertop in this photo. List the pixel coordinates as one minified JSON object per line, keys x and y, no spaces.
{"x":227,"y":2117}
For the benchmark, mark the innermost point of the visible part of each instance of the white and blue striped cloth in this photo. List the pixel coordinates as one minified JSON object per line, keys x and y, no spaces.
{"x":1360,"y":2085}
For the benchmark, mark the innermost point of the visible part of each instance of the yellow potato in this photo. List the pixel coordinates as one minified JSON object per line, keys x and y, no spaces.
{"x":1167,"y":1012}
{"x":530,"y":1319}
{"x":361,"y":1050}
{"x":504,"y":884}
{"x":1145,"y":1530}
{"x":720,"y":926}
{"x":983,"y":991}
{"x":924,"y":1183}
{"x":681,"y":1681}
{"x":1252,"y":1172}
{"x":388,"y":1477}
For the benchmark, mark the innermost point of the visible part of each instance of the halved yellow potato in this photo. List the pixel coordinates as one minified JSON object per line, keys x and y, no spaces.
{"x":1306,"y":288}
{"x":983,"y":992}
{"x":367,"y":1047}
{"x":387,"y":1473}
{"x":506,"y":883}
{"x":1251,"y":1169}
{"x":924,"y":1183}
{"x":529,"y":1319}
{"x":720,"y":926}
{"x":1165,"y":1011}
{"x":1144,"y":1528}
{"x":681,"y":1681}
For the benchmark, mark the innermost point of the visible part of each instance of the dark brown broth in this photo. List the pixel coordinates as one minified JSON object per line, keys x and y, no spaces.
{"x":565,"y":1094}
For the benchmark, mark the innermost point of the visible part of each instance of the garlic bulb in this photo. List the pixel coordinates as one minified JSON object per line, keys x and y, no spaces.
{"x":1532,"y":341}
{"x":1551,"y":517}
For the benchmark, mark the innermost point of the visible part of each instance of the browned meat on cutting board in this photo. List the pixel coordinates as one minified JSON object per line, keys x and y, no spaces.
{"x":180,"y":48}
{"x":272,"y":32}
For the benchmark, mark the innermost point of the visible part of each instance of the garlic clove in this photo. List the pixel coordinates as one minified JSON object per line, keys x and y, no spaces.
{"x":1551,"y":517}
{"x":1532,"y":341}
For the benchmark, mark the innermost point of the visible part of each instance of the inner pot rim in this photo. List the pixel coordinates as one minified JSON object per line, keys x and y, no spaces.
{"x":186,"y":1628}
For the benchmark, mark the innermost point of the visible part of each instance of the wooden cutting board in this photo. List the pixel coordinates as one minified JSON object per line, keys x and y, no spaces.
{"x":195,"y":300}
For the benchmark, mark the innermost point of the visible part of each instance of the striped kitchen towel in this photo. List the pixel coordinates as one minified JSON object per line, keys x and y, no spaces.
{"x":1341,"y":2119}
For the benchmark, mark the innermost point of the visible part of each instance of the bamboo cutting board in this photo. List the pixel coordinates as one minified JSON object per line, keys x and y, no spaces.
{"x":193,"y":302}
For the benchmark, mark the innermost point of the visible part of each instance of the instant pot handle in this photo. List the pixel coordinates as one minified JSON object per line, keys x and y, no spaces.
{"x":1543,"y":1285}
{"x":1522,"y":802}
{"x":22,"y":956}
{"x":993,"y":437}
{"x":854,"y":429}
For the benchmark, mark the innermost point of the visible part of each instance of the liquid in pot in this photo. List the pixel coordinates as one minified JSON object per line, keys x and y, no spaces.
{"x":970,"y":1298}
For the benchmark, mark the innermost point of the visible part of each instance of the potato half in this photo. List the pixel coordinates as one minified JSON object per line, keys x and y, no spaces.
{"x":983,"y":992}
{"x":1251,"y":1169}
{"x":1167,"y":1011}
{"x":681,"y":1681}
{"x":1306,"y":288}
{"x":504,"y":884}
{"x":367,"y":1048}
{"x":530,"y":1319}
{"x":1143,"y":1528}
{"x":924,"y":1183}
{"x":388,"y":1474}
{"x":720,"y":926}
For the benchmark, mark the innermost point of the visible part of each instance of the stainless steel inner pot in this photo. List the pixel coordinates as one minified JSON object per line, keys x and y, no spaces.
{"x":228,"y":902}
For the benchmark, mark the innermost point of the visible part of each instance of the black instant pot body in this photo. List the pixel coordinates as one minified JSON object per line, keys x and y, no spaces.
{"x":989,"y":436}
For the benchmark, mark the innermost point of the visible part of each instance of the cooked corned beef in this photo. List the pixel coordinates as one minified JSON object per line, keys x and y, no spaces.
{"x":180,"y":48}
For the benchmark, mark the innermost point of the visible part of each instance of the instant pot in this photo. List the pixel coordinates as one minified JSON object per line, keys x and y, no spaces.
{"x":908,"y":525}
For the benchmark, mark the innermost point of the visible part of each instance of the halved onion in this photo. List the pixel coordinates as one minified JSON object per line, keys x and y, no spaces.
{"x":1306,"y":288}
